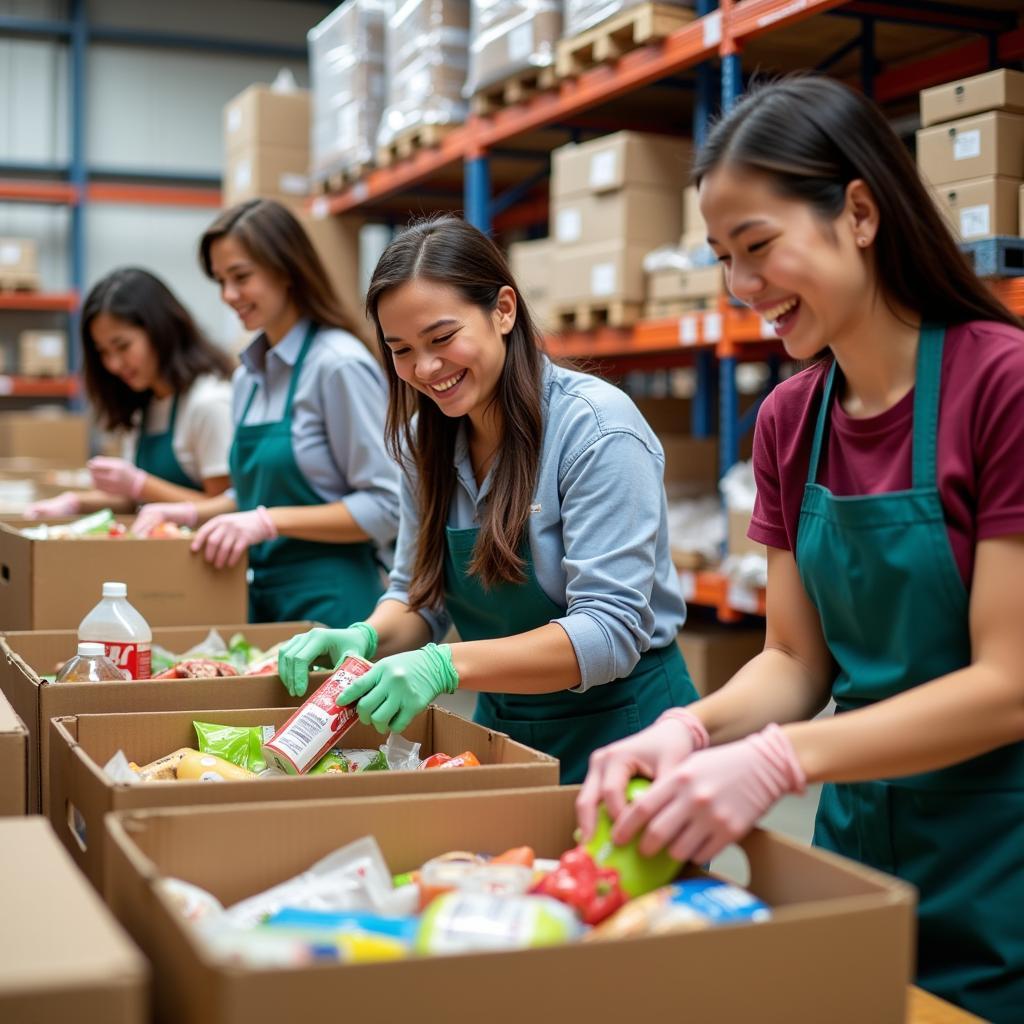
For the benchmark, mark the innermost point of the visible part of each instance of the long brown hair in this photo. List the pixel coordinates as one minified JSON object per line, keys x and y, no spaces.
{"x":276,"y":241}
{"x":811,"y":136}
{"x":453,"y":253}
{"x":183,"y":352}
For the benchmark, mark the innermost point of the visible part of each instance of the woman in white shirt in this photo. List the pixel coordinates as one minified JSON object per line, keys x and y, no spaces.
{"x":151,"y":374}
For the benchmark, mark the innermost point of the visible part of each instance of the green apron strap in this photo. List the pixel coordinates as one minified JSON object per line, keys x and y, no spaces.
{"x":926,"y":405}
{"x":290,"y":397}
{"x":819,"y":427}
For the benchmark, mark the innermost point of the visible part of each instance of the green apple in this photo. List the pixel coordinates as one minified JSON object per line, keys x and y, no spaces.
{"x":637,"y":874}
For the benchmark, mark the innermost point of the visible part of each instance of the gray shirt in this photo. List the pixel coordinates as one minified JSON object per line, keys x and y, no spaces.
{"x":337,"y":420}
{"x":598,"y":527}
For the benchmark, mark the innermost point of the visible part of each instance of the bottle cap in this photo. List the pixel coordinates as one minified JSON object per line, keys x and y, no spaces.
{"x":115,"y":589}
{"x":87,"y":649}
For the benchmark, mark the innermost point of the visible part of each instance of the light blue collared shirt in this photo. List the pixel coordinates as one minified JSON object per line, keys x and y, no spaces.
{"x":598,"y":527}
{"x":337,"y":420}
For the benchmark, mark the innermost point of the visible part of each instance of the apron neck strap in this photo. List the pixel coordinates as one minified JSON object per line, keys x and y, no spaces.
{"x":296,"y":370}
{"x":927,"y":381}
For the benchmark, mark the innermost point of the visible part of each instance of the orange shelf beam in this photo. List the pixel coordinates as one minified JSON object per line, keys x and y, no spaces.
{"x":1010,"y":291}
{"x":731,"y":601}
{"x":156,"y":195}
{"x":32,"y":301}
{"x":38,"y":387}
{"x":59,"y":192}
{"x":755,"y":17}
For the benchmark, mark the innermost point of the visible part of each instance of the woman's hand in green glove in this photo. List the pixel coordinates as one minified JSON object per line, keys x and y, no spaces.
{"x":332,"y":645}
{"x":398,"y":688}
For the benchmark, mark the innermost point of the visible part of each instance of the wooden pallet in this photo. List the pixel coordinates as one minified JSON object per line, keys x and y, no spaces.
{"x":587,"y":316}
{"x":628,"y":30}
{"x":338,"y":181}
{"x":411,"y":141}
{"x":18,"y":281}
{"x":517,"y":88}
{"x":660,"y":309}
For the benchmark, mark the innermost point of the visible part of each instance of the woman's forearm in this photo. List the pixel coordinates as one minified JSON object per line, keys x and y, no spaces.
{"x":156,"y":489}
{"x":328,"y":524}
{"x":540,"y":661}
{"x":210,"y":507}
{"x":398,"y":628}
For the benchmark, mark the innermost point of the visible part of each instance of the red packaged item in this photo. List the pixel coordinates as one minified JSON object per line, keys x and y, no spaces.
{"x":316,"y":726}
{"x":467,"y":759}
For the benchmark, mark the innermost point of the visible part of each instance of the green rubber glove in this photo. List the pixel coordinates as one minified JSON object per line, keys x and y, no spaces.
{"x":398,"y":688}
{"x":332,"y":645}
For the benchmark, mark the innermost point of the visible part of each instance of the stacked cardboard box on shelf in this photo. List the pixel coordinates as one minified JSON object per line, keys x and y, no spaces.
{"x":266,"y":146}
{"x":531,"y":265}
{"x":19,"y":264}
{"x":613,"y":200}
{"x":970,"y":150}
{"x":45,"y":433}
{"x":43,"y":353}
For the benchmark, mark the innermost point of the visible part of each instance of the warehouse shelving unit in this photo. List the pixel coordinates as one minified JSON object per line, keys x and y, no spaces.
{"x":891,"y":50}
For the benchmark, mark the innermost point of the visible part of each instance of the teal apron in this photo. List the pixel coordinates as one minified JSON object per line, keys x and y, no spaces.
{"x":155,"y":453}
{"x":335,"y":584}
{"x":569,"y":726}
{"x":880,"y":570}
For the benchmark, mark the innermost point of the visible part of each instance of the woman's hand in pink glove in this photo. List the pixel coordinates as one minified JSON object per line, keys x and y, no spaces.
{"x":116,"y":476}
{"x":224,"y":539}
{"x":650,"y":753}
{"x":713,"y":798}
{"x":184,"y":513}
{"x":66,"y":504}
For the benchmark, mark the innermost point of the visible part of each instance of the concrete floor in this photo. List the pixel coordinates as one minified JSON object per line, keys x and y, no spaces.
{"x":793,"y":815}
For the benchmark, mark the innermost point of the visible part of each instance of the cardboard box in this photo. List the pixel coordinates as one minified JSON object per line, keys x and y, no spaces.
{"x":738,"y":543}
{"x":634,"y":214}
{"x":19,"y":256}
{"x":531,"y":266}
{"x":13,"y":761}
{"x":685,"y":285}
{"x":983,"y":146}
{"x":24,"y":657}
{"x":715,"y":653}
{"x":267,"y":172}
{"x":623,"y":158}
{"x":82,"y":744}
{"x":511,"y":37}
{"x":53,"y":584}
{"x":981,"y":208}
{"x":834,"y":924}
{"x":63,"y":957}
{"x":50,"y":434}
{"x":1020,"y":204}
{"x":695,"y":231}
{"x":43,"y":353}
{"x":259,"y":117}
{"x":994,"y":90}
{"x":610,"y":271}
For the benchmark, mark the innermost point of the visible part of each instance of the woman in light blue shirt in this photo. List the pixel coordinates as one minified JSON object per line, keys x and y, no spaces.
{"x":533,"y":517}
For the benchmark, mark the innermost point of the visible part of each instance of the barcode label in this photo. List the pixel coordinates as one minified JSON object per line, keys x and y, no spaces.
{"x":305,"y":732}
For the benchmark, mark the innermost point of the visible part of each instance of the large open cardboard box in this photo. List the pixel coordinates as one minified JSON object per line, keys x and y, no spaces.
{"x":82,"y":744}
{"x":53,"y":584}
{"x":24,"y":657}
{"x":63,"y":958}
{"x":13,"y":761}
{"x":839,"y":948}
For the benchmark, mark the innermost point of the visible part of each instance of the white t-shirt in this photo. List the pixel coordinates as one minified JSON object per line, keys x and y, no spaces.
{"x":203,"y":430}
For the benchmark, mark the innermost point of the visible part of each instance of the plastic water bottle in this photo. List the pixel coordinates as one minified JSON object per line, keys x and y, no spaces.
{"x":90,"y":665}
{"x":124,"y":633}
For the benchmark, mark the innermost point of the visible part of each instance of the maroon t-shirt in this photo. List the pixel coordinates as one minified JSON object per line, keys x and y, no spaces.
{"x":980,"y":446}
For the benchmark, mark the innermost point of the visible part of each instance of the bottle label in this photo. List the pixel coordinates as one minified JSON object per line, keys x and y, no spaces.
{"x":134,"y":660}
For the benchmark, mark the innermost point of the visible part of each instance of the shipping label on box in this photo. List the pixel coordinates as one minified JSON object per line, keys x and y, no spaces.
{"x":980,"y":208}
{"x":269,"y":172}
{"x":43,"y":353}
{"x":827,"y":913}
{"x":615,"y":161}
{"x":600,"y":272}
{"x":19,"y":255}
{"x":260,"y":117}
{"x":983,"y":146}
{"x":994,"y":90}
{"x":634,"y":215}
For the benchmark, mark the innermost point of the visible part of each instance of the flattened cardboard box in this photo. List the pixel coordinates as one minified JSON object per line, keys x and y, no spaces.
{"x":994,"y":90}
{"x":980,"y":208}
{"x":987,"y":145}
{"x":839,"y":947}
{"x":63,"y":957}
{"x":24,"y":657}
{"x":13,"y":761}
{"x":55,"y":436}
{"x":81,"y":793}
{"x":53,"y":584}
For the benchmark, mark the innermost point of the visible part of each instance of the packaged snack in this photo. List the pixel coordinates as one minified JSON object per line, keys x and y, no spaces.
{"x":467,"y":759}
{"x":401,"y":928}
{"x":242,"y":745}
{"x":468,"y":922}
{"x":687,"y":905}
{"x":164,"y":768}
{"x":445,"y":874}
{"x":318,"y":724}
{"x":345,"y":762}
{"x":197,"y":767}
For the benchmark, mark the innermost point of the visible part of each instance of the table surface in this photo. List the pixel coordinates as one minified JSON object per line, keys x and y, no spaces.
{"x":924,"y":1008}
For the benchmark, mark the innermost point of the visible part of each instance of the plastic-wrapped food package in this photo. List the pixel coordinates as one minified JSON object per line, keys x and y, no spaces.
{"x":428,"y":57}
{"x":511,"y":36}
{"x":583,"y":14}
{"x":349,"y":86}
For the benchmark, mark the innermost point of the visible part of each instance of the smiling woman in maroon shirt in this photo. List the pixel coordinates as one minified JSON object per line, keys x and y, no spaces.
{"x":890,"y":478}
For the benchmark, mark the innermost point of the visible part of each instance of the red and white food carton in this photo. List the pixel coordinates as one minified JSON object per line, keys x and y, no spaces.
{"x":316,"y":726}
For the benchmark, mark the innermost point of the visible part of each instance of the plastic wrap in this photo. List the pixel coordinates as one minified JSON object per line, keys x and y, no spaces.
{"x":349,"y":86}
{"x":511,"y":36}
{"x":583,"y":14}
{"x":428,"y":58}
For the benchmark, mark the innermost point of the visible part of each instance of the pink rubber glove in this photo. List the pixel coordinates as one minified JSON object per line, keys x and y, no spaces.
{"x":184,"y":513}
{"x":117,"y":476}
{"x":713,"y":798}
{"x":650,"y":752}
{"x":66,"y":504}
{"x":226,"y":538}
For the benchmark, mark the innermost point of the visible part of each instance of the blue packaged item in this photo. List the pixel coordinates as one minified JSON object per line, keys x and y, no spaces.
{"x":401,"y":928}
